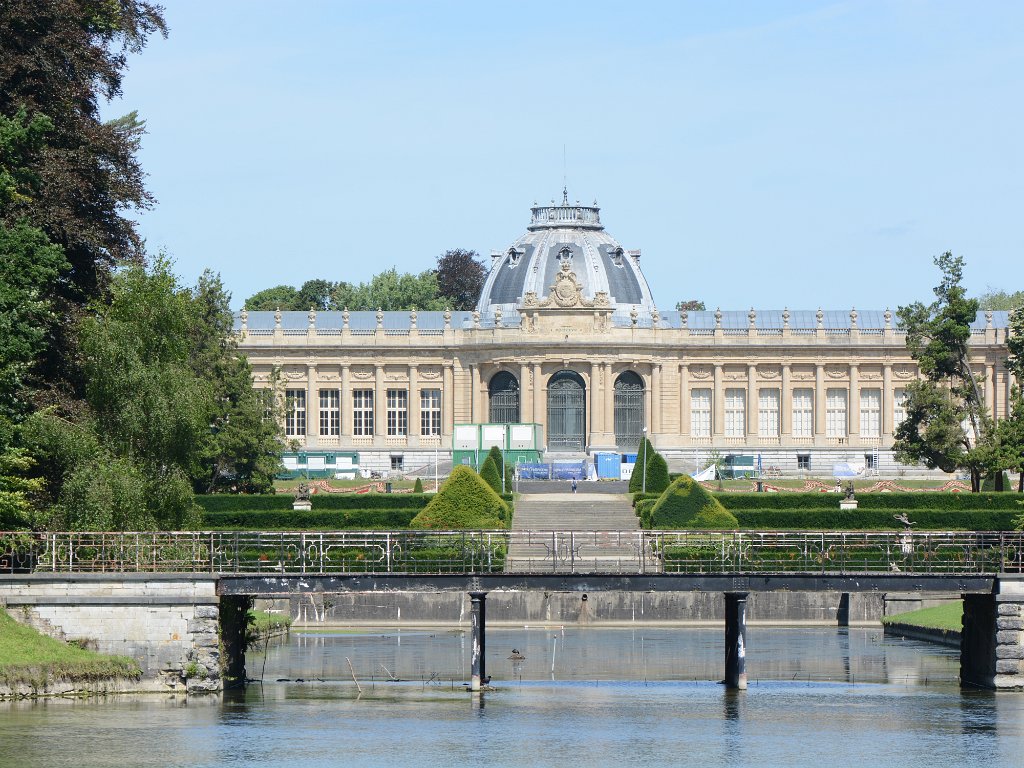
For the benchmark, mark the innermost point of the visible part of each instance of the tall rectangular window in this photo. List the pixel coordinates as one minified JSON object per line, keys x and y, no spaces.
{"x":735,"y":412}
{"x":700,"y":412}
{"x":835,"y":413}
{"x":266,"y":400}
{"x":398,"y":412}
{"x":430,"y":412}
{"x":295,"y":412}
{"x":362,"y":412}
{"x":899,"y":407}
{"x":803,"y":413}
{"x":330,"y":412}
{"x":768,"y":413}
{"x":871,"y":413}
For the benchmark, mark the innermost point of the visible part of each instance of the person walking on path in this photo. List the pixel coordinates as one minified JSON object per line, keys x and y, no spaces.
{"x":574,"y":485}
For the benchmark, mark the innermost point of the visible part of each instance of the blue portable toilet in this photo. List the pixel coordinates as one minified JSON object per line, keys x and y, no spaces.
{"x":607,"y":466}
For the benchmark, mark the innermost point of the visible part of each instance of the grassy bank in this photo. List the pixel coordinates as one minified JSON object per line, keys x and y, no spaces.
{"x":28,"y":657}
{"x":948,"y":617}
{"x":262,"y":622}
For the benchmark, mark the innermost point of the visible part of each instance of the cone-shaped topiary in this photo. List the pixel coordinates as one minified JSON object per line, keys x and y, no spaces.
{"x":417,"y":486}
{"x":643,"y":456}
{"x":687,"y":504}
{"x":464,"y":501}
{"x":499,"y":462}
{"x":490,"y":475}
{"x":657,"y":473}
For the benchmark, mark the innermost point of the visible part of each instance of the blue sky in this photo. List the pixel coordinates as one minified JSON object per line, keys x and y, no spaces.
{"x":768,"y":154}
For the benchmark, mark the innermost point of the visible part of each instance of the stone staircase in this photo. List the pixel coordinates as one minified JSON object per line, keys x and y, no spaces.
{"x":562,"y":532}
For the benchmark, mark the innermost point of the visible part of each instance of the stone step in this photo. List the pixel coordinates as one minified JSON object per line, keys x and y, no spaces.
{"x":580,"y":565}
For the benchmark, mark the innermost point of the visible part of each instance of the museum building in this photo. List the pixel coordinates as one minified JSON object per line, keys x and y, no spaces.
{"x":566,"y":336}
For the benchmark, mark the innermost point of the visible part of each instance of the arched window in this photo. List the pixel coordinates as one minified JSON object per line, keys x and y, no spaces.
{"x":629,"y":410}
{"x":503,"y":391}
{"x":567,"y":412}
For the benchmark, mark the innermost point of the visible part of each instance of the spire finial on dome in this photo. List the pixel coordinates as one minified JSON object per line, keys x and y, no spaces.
{"x":565,"y":195}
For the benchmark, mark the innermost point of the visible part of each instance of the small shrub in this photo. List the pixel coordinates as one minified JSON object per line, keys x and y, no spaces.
{"x":464,"y":501}
{"x":686,"y":504}
{"x":417,"y":486}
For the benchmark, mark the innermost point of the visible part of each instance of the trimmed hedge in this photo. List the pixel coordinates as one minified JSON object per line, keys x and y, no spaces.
{"x":874,"y":520}
{"x":686,"y":504}
{"x":225,"y":502}
{"x":272,"y":520}
{"x":895,"y":501}
{"x":230,"y":502}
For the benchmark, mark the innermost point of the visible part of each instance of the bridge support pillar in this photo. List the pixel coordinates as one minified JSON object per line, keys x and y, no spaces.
{"x":234,"y":611}
{"x":478,"y":621}
{"x":736,"y":640}
{"x":843,"y":611}
{"x":992,"y":638}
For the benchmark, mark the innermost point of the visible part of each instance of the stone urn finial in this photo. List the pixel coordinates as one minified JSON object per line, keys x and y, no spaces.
{"x":888,"y":318}
{"x":820,"y":317}
{"x":684,"y":318}
{"x":277,"y":317}
{"x":312,"y":317}
{"x":634,"y":316}
{"x":412,"y":318}
{"x":752,"y":317}
{"x":476,"y":318}
{"x":785,"y":317}
{"x":380,"y":317}
{"x":243,"y":316}
{"x":718,"y":317}
{"x":447,"y":319}
{"x":853,"y":317}
{"x":344,"y":318}
{"x":497,"y":317}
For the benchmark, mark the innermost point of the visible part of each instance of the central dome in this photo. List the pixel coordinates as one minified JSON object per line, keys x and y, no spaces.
{"x":560,"y":233}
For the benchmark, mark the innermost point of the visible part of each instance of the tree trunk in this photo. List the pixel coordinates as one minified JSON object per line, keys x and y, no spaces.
{"x":975,"y":480}
{"x":1020,"y":482}
{"x":999,"y":481}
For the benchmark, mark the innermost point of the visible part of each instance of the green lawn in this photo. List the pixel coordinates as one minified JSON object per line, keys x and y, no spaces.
{"x":948,"y":616}
{"x":29,"y":657}
{"x":290,"y":485}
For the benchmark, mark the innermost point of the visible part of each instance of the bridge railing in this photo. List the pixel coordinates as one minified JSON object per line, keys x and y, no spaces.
{"x":481,"y":552}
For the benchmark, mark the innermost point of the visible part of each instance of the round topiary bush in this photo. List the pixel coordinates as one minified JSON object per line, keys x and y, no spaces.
{"x":464,"y":501}
{"x":687,"y":504}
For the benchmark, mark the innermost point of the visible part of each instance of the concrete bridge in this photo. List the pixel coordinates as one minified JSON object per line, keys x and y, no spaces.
{"x":177,"y":601}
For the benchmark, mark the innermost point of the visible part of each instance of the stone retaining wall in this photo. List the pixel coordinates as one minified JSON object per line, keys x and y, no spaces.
{"x":167,"y":623}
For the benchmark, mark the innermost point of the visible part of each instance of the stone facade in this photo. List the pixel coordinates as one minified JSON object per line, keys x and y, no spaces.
{"x":803,"y":389}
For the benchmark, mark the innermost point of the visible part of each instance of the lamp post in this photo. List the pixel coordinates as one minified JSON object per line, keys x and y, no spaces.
{"x":643,"y":467}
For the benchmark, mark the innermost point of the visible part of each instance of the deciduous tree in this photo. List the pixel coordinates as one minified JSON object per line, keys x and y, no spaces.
{"x":282,"y":297}
{"x":460,"y":278}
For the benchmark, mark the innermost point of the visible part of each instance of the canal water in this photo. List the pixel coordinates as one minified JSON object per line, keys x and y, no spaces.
{"x":578,"y":697}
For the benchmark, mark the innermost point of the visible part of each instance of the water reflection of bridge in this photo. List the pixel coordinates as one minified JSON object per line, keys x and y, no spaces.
{"x":227,"y":568}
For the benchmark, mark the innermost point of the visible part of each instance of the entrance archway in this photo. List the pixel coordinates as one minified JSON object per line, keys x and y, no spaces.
{"x":629,"y":411}
{"x":503,"y":396}
{"x":567,"y":412}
